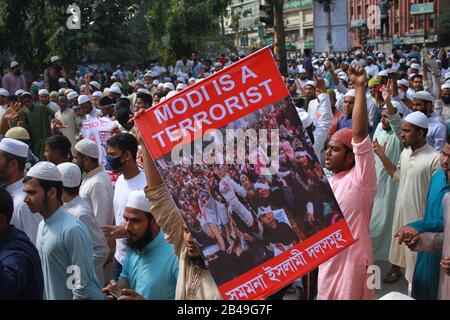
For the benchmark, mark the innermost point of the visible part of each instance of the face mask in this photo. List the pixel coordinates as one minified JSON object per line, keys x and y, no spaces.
{"x":446,"y":99}
{"x":115,"y":163}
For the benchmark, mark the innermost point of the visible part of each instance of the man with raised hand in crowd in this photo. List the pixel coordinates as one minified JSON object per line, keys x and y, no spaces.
{"x":349,"y":156}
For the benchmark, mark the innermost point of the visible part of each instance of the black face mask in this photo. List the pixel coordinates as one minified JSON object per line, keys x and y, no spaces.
{"x":115,"y":163}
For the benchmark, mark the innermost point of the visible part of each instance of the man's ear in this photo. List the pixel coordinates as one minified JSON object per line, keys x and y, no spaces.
{"x":350,"y":158}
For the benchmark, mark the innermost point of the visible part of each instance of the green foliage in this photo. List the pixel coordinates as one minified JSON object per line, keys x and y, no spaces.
{"x":111,"y":31}
{"x":180,"y":26}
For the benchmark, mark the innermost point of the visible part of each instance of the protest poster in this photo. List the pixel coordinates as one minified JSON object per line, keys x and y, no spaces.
{"x":99,"y":130}
{"x":234,"y":156}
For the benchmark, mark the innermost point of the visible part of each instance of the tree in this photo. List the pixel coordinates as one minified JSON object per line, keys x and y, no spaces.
{"x":178,"y":27}
{"x":280,"y":43}
{"x":114,"y":31}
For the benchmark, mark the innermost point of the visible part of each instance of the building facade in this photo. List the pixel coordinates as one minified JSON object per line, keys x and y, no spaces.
{"x":410,"y":21}
{"x":242,"y":22}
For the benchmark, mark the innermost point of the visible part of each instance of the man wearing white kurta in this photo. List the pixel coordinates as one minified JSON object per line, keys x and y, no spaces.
{"x":385,"y":198}
{"x":77,"y":207}
{"x":96,"y":188}
{"x":417,"y":164}
{"x":13,"y":156}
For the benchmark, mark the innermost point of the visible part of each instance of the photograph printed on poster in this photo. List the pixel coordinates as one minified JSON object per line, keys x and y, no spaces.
{"x":240,"y":216}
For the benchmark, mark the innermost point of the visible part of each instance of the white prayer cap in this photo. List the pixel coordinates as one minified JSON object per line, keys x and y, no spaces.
{"x":142,"y":90}
{"x":88,"y":148}
{"x":19,"y":92}
{"x":148,"y":75}
{"x":301,"y":70}
{"x":423,"y":95}
{"x":445,"y":86}
{"x":192,"y":79}
{"x":70,"y":173}
{"x":154,"y":74}
{"x":61,"y":91}
{"x":140,"y":82}
{"x":95,"y":84}
{"x":263,"y":210}
{"x":115,"y":89}
{"x":106,"y":90}
{"x":344,"y":78}
{"x":45,"y":171}
{"x":24,"y":93}
{"x":181,"y":79}
{"x":54,"y":59}
{"x":138,"y":200}
{"x":13,"y":64}
{"x":412,"y":75}
{"x":15,"y":147}
{"x":181,"y":86}
{"x":402,"y":61}
{"x":4,"y":92}
{"x":447,"y":76}
{"x":160,"y":86}
{"x":415,"y":66}
{"x":300,"y":153}
{"x":382,"y":73}
{"x":350,"y":93}
{"x":261,"y":185}
{"x":311,"y":83}
{"x":62,"y":80}
{"x":305,"y":118}
{"x":43,"y":92}
{"x":380,"y":55}
{"x":117,"y":84}
{"x":171,"y":94}
{"x":72,"y":95}
{"x":403,"y":82}
{"x":97,"y":94}
{"x":83,"y":99}
{"x":169,"y":85}
{"x":389,"y":62}
{"x":417,"y":118}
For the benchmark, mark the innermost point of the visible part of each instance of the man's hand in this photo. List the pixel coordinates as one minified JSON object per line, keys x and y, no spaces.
{"x":387,"y":91}
{"x":445,"y":265}
{"x":406,"y":234}
{"x":412,"y":243}
{"x":128,"y":294}
{"x":320,"y":84}
{"x":112,"y":287}
{"x":358,"y":76}
{"x":115,"y":232}
{"x":378,"y":149}
{"x":310,"y":218}
{"x":13,"y":112}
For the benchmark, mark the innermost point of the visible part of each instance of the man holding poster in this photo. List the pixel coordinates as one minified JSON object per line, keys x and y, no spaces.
{"x":350,"y":157}
{"x":213,"y":138}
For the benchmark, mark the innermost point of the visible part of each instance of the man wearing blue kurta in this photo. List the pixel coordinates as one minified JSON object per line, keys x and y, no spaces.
{"x":150,"y":267}
{"x":63,"y":242}
{"x":425,"y":283}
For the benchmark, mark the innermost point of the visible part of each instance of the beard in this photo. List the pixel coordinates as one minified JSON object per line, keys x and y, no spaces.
{"x":197,"y":261}
{"x":142,"y":242}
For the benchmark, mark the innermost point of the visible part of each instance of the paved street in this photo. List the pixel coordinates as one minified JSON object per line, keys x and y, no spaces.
{"x":400,"y":286}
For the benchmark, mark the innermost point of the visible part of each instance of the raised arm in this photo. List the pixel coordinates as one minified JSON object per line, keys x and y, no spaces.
{"x":360,"y":122}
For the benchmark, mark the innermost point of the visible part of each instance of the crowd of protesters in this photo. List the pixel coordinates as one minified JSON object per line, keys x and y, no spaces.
{"x":82,"y":196}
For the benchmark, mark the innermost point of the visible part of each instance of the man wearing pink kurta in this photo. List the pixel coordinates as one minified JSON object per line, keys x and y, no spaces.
{"x":350,"y":157}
